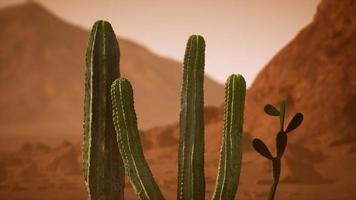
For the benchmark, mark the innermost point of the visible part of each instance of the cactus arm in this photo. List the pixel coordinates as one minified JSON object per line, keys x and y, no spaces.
{"x":271,"y":110}
{"x":102,"y":164}
{"x":295,"y":122}
{"x":231,"y":148}
{"x":261,"y":148}
{"x":128,"y":139}
{"x":191,"y":182}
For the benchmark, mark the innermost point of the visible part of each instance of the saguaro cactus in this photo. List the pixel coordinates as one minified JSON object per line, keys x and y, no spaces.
{"x":103,"y":167}
{"x":191,"y":181}
{"x":231,"y":148}
{"x":281,"y":142}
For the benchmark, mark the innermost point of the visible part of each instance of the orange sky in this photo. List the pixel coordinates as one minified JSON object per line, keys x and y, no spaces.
{"x":241,"y":35}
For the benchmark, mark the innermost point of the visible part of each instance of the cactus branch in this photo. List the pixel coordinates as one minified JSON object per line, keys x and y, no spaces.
{"x":231,"y":148}
{"x":295,"y":122}
{"x":261,"y":148}
{"x":271,"y":110}
{"x":128,"y":139}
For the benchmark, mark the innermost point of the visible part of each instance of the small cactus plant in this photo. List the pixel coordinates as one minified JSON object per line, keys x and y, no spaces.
{"x":111,"y":138}
{"x":281,"y":142}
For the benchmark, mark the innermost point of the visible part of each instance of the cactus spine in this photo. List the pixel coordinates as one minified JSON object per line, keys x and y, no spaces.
{"x":281,"y":143}
{"x":231,"y":148}
{"x":103,"y":167}
{"x":128,"y":139}
{"x":191,"y":182}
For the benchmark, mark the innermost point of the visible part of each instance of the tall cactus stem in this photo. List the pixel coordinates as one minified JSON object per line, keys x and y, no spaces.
{"x":102,"y":163}
{"x":231,"y":148}
{"x":191,"y":181}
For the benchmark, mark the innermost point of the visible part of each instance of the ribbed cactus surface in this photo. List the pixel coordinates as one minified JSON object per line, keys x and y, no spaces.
{"x":128,"y":139}
{"x":103,"y":167}
{"x":231,"y":148}
{"x":191,"y":181}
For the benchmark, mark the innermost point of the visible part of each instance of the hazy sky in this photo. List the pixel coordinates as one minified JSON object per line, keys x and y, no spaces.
{"x":241,"y":35}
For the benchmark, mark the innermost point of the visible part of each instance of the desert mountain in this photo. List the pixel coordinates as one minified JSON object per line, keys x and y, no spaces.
{"x":41,"y":77}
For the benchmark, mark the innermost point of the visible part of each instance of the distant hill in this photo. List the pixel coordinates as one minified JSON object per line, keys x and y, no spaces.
{"x":42,"y":77}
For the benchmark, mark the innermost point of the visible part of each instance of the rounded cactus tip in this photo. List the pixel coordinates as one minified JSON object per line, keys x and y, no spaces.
{"x":102,"y":22}
{"x":197,"y":39}
{"x":194,"y":37}
{"x":121,"y":82}
{"x":236,"y":77}
{"x":103,"y":25}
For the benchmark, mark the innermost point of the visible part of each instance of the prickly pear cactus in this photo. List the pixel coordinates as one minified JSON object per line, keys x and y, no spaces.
{"x":103,"y":167}
{"x":281,"y":142}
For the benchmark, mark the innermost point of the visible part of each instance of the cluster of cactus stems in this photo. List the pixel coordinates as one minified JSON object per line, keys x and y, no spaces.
{"x":281,"y":142}
{"x":112,"y":144}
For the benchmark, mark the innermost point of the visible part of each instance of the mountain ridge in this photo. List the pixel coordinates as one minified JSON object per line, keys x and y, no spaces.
{"x":42,"y":75}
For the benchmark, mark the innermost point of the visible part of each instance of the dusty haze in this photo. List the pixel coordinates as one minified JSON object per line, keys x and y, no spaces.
{"x":241,"y":35}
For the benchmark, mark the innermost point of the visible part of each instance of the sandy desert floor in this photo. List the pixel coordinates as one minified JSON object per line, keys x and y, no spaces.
{"x":38,"y":171}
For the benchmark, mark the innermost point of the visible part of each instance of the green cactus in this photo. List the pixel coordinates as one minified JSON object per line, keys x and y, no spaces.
{"x":281,"y":142}
{"x":191,"y":184}
{"x":191,"y":181}
{"x":109,"y":108}
{"x":231,"y":148}
{"x":128,"y":138}
{"x":103,"y":167}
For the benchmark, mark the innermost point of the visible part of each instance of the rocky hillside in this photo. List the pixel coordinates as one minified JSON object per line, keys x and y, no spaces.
{"x":42,"y":74}
{"x":316,"y":74}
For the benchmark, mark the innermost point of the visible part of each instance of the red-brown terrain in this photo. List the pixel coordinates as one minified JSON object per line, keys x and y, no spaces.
{"x":315,"y":73}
